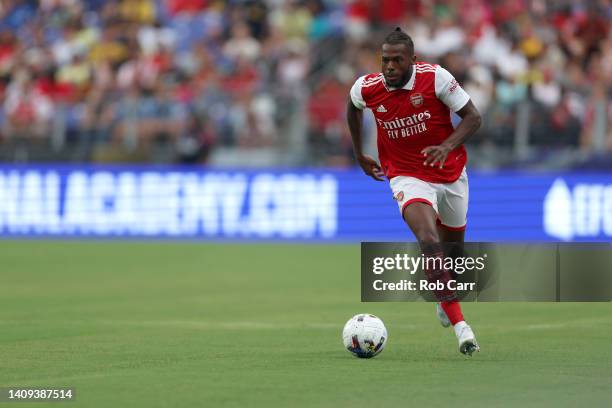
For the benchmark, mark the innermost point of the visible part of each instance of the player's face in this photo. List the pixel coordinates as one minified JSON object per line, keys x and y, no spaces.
{"x":397,"y":63}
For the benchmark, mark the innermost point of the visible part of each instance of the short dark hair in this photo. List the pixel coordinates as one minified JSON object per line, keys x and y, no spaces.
{"x":398,"y":36}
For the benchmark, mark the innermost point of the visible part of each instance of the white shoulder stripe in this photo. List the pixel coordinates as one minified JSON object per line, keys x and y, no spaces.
{"x":376,"y":78}
{"x":425,"y":66}
{"x":371,"y":83}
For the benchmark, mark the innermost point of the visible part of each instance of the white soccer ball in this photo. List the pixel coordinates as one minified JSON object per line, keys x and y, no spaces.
{"x":364,"y":335}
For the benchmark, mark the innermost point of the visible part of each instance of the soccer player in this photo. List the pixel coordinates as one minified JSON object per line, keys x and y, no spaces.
{"x":421,"y":154}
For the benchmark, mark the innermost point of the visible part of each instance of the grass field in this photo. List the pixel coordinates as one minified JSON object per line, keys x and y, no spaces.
{"x":187,"y":324}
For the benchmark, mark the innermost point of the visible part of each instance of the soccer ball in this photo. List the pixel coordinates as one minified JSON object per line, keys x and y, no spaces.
{"x":364,"y":335}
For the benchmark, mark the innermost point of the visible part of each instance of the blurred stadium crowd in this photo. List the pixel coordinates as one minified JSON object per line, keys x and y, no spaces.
{"x":265,"y":82}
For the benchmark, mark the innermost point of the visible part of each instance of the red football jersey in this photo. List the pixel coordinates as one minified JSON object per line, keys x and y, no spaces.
{"x":413,"y":117}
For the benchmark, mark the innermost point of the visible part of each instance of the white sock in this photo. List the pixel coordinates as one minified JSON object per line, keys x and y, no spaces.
{"x":459,"y":326}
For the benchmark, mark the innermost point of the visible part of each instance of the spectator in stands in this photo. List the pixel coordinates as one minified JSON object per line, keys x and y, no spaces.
{"x":260,"y":73}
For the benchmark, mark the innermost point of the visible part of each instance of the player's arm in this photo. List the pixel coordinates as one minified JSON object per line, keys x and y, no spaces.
{"x":449,"y":92}
{"x":470,"y":122}
{"x":354,"y":117}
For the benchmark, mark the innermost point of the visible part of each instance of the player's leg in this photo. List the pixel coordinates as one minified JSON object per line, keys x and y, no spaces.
{"x":452,"y":215}
{"x":450,"y":313}
{"x":421,"y":218}
{"x":454,"y":237}
{"x":417,"y":201}
{"x":452,"y":211}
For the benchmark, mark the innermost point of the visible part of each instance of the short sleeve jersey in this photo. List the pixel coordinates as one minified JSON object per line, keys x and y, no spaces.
{"x":413,"y":117}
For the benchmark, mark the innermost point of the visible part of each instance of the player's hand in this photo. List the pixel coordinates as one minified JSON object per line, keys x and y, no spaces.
{"x":371,"y":167}
{"x":435,"y":154}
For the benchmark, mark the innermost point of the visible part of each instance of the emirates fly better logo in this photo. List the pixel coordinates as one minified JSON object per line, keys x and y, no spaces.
{"x":406,"y":126}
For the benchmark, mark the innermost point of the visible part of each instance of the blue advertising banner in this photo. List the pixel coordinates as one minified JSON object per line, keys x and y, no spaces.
{"x":280,"y":204}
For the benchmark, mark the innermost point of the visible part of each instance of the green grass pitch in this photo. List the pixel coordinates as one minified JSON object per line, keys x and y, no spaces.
{"x":193,"y":324}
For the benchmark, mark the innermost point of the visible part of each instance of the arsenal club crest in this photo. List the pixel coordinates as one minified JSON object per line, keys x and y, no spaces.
{"x":399,"y":196}
{"x":416,"y":99}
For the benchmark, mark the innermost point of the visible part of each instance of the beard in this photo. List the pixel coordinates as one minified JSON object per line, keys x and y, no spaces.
{"x":398,"y":82}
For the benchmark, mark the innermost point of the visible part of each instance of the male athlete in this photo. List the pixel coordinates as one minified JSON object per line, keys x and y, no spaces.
{"x":421,"y":154}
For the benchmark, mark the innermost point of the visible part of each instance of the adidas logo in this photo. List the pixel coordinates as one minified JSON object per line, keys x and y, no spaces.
{"x":381,"y":109}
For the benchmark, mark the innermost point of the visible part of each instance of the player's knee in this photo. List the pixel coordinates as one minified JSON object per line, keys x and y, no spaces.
{"x":427,"y":237}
